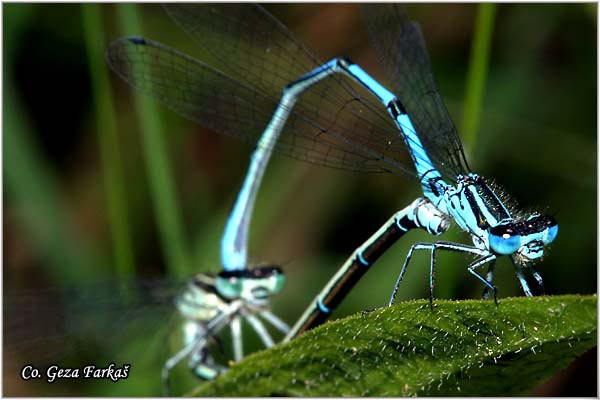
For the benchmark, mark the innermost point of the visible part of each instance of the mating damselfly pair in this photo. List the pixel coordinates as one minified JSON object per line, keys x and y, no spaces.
{"x":333,"y":114}
{"x":345,"y":109}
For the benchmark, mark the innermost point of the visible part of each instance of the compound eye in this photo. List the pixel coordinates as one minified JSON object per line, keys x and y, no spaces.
{"x":551,"y":230}
{"x":504,"y":239}
{"x":229,"y":286}
{"x":277,"y":282}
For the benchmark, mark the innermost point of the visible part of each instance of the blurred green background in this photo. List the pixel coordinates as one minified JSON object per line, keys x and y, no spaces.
{"x":101,"y":188}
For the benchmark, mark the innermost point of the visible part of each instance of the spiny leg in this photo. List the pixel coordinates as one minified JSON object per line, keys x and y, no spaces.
{"x":519,"y":270}
{"x":421,"y":213}
{"x":260,"y":330}
{"x":236,"y":338}
{"x":457,"y":247}
{"x":490,"y":278}
{"x":195,"y":346}
{"x":524,"y":283}
{"x":449,"y":246}
{"x":176,"y":359}
{"x":478,"y":263}
{"x":275,"y":321}
{"x":432,"y":275}
{"x":416,"y":246}
{"x":539,"y":280}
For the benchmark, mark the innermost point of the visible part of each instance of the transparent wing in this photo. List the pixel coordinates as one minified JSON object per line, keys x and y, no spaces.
{"x":255,"y":48}
{"x":87,"y":324}
{"x":249,"y":44}
{"x":321,"y":129}
{"x":402,"y":51}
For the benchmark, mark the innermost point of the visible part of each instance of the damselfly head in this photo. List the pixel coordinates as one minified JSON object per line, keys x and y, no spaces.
{"x":537,"y":231}
{"x":254,"y":285}
{"x":505,"y":238}
{"x":526,"y":239}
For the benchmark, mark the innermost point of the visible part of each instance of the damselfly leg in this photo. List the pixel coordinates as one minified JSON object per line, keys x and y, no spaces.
{"x":420,"y":214}
{"x":212,"y":303}
{"x":333,"y":124}
{"x":490,"y":278}
{"x":449,"y":246}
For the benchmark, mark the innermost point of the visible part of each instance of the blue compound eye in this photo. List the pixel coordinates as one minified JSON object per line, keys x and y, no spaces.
{"x":504,"y":240}
{"x":229,"y":287}
{"x":551,"y":230}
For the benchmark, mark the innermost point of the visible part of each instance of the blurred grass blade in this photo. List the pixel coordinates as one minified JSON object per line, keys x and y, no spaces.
{"x":158,"y":167}
{"x":460,"y":348}
{"x":34,"y":190}
{"x":477,"y":73}
{"x":110,"y":152}
{"x":28,"y":180}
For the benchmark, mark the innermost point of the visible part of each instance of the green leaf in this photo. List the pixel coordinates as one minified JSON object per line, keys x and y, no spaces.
{"x":467,"y":348}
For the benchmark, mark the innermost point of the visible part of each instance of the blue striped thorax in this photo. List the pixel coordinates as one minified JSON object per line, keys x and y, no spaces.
{"x":474,"y":205}
{"x":477,"y":209}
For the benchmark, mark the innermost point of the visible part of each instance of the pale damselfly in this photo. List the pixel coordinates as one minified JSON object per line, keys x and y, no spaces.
{"x":129,"y":323}
{"x":211,"y":303}
{"x":335,"y":114}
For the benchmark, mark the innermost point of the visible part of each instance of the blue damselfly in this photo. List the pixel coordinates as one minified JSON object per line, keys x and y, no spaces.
{"x":335,"y":114}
